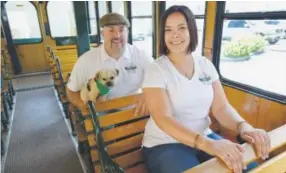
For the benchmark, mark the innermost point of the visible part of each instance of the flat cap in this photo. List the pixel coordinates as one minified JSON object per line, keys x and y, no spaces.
{"x":113,"y":19}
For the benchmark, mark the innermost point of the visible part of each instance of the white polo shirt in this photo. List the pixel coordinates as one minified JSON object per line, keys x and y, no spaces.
{"x":129,"y":81}
{"x":190,"y":99}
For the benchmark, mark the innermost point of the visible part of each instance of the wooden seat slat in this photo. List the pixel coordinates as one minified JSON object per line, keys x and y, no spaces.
{"x":120,"y":146}
{"x":117,"y":117}
{"x":129,"y":159}
{"x":141,"y":168}
{"x":124,"y":130}
{"x":116,"y":103}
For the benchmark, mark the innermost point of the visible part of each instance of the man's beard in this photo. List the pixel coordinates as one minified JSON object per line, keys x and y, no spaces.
{"x":117,"y":47}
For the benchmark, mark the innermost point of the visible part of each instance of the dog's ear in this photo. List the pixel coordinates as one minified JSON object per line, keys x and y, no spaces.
{"x":117,"y":71}
{"x":97,"y":76}
{"x":88,"y":86}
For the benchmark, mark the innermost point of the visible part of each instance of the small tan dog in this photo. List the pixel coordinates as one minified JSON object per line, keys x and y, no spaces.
{"x":99,"y":86}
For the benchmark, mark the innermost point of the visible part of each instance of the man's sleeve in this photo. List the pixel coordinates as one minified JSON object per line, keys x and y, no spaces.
{"x":146,"y":60}
{"x":78,"y":77}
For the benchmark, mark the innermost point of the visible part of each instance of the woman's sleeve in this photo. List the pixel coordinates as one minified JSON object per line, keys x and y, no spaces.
{"x":208,"y":68}
{"x":154,"y":77}
{"x":214,"y":73}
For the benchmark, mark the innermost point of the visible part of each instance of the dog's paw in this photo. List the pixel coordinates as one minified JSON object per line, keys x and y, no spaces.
{"x":101,"y":99}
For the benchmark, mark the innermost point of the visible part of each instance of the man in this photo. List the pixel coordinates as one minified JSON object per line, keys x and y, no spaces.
{"x":115,"y":52}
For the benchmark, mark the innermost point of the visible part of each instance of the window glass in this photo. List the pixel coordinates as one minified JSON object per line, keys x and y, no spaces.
{"x":92,"y":18}
{"x":197,"y":7}
{"x":23,"y":20}
{"x":141,"y":8}
{"x":66,"y":19}
{"x":142,"y":27}
{"x":102,"y":8}
{"x":253,"y":52}
{"x":118,"y":7}
{"x":242,"y":7}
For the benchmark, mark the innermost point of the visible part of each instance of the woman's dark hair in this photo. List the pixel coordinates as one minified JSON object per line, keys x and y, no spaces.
{"x":192,"y":27}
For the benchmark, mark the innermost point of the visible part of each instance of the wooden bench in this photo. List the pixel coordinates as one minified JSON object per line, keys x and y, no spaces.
{"x":61,"y":81}
{"x":6,"y":63}
{"x":61,"y":67}
{"x":7,"y":88}
{"x":5,"y":116}
{"x":118,"y":144}
{"x":71,"y":47}
{"x":122,"y":134}
{"x":60,"y":77}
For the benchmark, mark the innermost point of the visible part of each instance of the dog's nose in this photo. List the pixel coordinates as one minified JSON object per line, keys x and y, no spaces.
{"x":109,"y":84}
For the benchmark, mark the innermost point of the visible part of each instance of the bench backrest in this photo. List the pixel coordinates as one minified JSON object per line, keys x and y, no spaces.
{"x":122,"y":134}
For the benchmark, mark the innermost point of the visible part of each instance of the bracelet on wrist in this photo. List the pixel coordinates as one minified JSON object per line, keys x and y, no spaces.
{"x":196,"y":140}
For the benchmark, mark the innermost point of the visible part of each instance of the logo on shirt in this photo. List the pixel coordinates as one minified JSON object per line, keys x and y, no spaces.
{"x":205,"y":79}
{"x":204,"y":71}
{"x":130,"y":68}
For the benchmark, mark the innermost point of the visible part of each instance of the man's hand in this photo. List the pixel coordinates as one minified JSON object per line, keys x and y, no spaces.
{"x":141,"y":107}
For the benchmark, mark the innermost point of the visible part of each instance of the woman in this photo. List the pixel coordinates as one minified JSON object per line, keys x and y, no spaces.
{"x":180,"y":90}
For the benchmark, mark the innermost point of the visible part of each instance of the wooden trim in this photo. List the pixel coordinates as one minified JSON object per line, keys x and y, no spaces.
{"x":275,"y":165}
{"x":277,"y":137}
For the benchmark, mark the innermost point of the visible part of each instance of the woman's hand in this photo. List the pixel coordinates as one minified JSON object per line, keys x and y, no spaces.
{"x":257,"y":137}
{"x":231,"y":153}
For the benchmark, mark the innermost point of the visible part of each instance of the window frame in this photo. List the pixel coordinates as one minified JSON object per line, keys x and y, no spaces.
{"x":129,"y":7}
{"x":220,"y":16}
{"x":96,"y":18}
{"x":26,"y":41}
{"x":74,"y":38}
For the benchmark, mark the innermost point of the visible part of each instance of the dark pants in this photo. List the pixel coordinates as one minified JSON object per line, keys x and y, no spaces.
{"x":176,"y":158}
